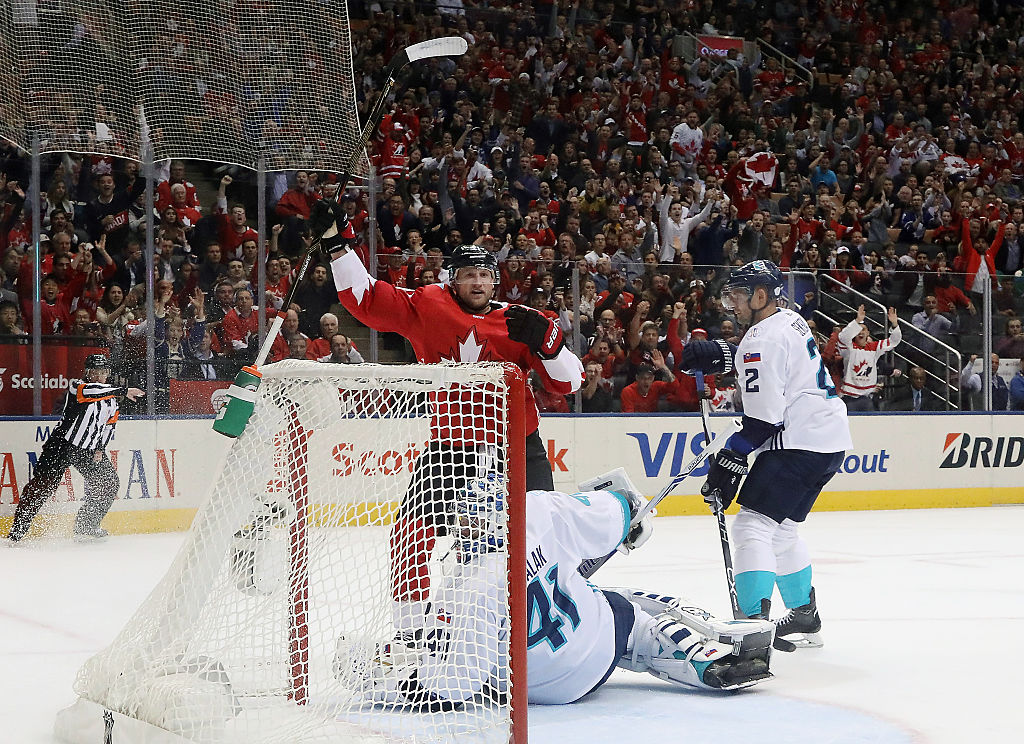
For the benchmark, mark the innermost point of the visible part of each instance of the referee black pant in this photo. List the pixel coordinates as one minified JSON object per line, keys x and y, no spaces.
{"x":101,"y":484}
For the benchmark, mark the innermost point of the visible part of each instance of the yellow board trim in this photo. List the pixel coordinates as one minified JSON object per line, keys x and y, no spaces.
{"x":381,"y":514}
{"x":924,"y":498}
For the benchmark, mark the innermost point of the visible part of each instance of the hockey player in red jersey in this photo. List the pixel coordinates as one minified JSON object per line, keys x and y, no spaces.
{"x":458,"y":321}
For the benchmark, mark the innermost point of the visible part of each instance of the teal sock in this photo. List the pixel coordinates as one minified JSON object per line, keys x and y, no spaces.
{"x":795,"y":588}
{"x":751,"y":588}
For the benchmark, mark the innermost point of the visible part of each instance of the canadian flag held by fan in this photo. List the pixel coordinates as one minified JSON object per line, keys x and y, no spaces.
{"x":761,"y":168}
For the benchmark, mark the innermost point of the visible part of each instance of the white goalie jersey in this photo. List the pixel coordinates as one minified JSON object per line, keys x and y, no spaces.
{"x":571,"y":633}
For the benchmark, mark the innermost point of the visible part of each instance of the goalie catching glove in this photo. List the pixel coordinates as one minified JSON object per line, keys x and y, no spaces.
{"x":330,"y":225}
{"x":723,"y":481}
{"x":640,"y":532}
{"x":617,"y":481}
{"x":540,"y":334}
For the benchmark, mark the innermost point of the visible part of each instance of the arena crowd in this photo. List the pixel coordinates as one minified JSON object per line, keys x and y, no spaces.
{"x":878,"y":159}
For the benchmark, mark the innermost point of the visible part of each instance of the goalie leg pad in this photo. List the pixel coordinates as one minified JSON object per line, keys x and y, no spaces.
{"x":667,"y":649}
{"x":744,"y":636}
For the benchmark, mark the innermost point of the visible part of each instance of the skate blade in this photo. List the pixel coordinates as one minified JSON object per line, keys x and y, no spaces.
{"x":806,"y":640}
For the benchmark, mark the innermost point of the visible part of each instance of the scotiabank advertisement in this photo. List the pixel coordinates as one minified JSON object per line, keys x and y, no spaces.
{"x":61,"y":364}
{"x":167,"y":467}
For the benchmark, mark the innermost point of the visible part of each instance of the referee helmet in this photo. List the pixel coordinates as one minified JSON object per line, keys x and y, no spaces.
{"x":97,"y":361}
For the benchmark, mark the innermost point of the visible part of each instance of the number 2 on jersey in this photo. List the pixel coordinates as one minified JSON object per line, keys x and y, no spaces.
{"x":544,"y":625}
{"x":824,"y":379}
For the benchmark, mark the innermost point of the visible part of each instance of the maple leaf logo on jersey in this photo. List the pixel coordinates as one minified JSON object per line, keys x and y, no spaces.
{"x":470,"y":349}
{"x":862,"y":368}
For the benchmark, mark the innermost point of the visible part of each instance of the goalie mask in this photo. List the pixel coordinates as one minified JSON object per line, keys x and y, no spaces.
{"x":479,"y":520}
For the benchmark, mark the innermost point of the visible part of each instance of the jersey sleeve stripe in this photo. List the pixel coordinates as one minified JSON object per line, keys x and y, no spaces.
{"x":92,"y":396}
{"x":624,"y":503}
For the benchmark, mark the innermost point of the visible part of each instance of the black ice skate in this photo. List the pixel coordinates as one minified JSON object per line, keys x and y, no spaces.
{"x":801,"y":620}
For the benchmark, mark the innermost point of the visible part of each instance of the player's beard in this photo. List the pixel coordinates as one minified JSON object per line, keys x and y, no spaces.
{"x":473,"y":303}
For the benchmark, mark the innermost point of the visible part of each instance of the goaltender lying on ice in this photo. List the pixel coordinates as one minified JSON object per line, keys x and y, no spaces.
{"x":577,"y":633}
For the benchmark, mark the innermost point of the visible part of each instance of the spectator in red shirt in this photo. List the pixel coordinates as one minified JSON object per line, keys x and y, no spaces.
{"x":281,"y":348}
{"x":55,"y":309}
{"x":601,"y":353}
{"x":293,"y":208}
{"x":321,"y":345}
{"x":297,"y":201}
{"x":644,"y":395}
{"x":232,"y":229}
{"x":278,"y":282}
{"x":164,"y":189}
{"x":241,"y":325}
{"x":948,"y":295}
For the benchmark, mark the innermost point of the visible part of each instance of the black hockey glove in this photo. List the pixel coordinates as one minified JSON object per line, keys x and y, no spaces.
{"x":542,"y":336}
{"x":723,"y":481}
{"x":327,"y":213}
{"x":710,"y":357}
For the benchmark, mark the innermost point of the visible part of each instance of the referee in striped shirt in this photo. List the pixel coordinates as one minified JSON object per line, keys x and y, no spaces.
{"x":80,"y":440}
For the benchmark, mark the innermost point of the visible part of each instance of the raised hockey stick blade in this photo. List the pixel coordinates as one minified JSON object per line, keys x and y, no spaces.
{"x":448,"y":46}
{"x":589,"y":567}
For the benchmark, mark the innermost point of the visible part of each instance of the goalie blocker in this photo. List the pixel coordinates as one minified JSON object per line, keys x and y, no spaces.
{"x":577,"y":636}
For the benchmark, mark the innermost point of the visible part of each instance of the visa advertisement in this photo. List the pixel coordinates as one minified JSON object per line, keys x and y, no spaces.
{"x":166,"y":467}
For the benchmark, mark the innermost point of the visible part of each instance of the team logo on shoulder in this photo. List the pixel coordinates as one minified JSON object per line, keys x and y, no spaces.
{"x":801,"y":327}
{"x":751,"y":357}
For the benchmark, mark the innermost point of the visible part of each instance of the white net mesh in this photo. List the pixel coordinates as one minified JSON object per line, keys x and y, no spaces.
{"x":313,"y":553}
{"x":217,"y":81}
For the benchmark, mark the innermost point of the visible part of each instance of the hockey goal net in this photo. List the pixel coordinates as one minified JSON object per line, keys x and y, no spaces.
{"x":281,"y":599}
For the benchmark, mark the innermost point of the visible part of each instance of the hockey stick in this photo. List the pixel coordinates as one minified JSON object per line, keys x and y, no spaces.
{"x":723,"y":532}
{"x":232,"y":419}
{"x":589,"y":567}
{"x":448,"y":46}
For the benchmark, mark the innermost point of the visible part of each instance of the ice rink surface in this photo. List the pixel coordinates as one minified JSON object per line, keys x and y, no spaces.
{"x":922,"y":613}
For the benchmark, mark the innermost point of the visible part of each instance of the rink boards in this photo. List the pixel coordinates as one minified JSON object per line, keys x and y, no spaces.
{"x":166,"y":467}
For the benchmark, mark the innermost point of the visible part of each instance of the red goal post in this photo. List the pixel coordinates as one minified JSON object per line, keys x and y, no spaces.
{"x":270,"y":624}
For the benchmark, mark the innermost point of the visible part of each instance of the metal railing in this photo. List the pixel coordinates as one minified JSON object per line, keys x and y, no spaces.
{"x":768,"y":50}
{"x":951,"y":391}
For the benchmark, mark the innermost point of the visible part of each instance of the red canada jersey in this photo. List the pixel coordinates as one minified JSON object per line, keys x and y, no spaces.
{"x":514,"y":289}
{"x":636,"y":125}
{"x":1015,"y":158}
{"x":440,"y":330}
{"x":230,"y":239}
{"x":164,"y":199}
